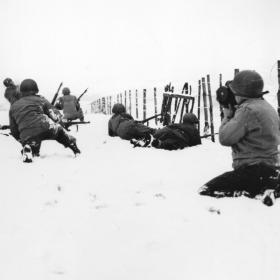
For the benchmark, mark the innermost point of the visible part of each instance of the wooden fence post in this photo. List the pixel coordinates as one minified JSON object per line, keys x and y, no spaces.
{"x":155,"y":103}
{"x":198,"y":103}
{"x":206,"y":122}
{"x":144,"y":104}
{"x":210,"y":109}
{"x":136,"y":104}
{"x":129,"y":96}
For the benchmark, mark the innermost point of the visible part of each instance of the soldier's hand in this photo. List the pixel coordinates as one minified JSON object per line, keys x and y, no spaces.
{"x":228,"y":112}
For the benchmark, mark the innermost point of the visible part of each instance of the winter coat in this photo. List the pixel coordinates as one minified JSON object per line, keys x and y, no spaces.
{"x":70,"y":106}
{"x":124,"y":126}
{"x":30,"y":116}
{"x":177,"y":136}
{"x":253,"y":133}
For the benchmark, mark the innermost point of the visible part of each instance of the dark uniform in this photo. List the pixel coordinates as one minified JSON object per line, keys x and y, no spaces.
{"x":123,"y":125}
{"x":178,"y":136}
{"x":32,"y":120}
{"x":70,"y":106}
{"x":253,"y":134}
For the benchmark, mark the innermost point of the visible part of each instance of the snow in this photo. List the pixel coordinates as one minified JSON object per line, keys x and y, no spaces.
{"x":118,"y":212}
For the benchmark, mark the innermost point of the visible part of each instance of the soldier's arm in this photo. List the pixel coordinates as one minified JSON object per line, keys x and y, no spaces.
{"x":13,"y":127}
{"x":77,"y":103}
{"x":110,"y":130}
{"x":234,"y":129}
{"x":50,"y":110}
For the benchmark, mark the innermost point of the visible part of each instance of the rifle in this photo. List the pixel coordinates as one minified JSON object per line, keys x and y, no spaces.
{"x":66,"y":125}
{"x":150,"y":118}
{"x":56,"y":94}
{"x":208,"y":135}
{"x":82,"y":94}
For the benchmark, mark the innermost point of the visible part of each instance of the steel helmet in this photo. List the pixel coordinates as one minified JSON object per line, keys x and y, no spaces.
{"x":118,"y":108}
{"x":28,"y":86}
{"x":8,"y":82}
{"x":190,"y":118}
{"x":66,"y":91}
{"x":247,"y":83}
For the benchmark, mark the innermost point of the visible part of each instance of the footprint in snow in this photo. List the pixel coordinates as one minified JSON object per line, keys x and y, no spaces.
{"x":51,"y":203}
{"x":214,"y":210}
{"x":139,"y":204}
{"x":97,"y":207}
{"x":160,"y":195}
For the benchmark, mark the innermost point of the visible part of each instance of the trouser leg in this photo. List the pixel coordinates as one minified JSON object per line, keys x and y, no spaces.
{"x":35,"y":145}
{"x":68,"y":141}
{"x":252,"y":180}
{"x":55,"y":132}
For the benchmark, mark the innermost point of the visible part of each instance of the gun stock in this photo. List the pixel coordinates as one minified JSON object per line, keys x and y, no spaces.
{"x":68,"y":124}
{"x":150,"y":118}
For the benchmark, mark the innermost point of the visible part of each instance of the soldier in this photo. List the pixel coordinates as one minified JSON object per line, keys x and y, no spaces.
{"x":70,"y":106}
{"x":253,"y":134}
{"x":178,"y":136}
{"x":123,"y":125}
{"x":12,"y":93}
{"x":32,"y":120}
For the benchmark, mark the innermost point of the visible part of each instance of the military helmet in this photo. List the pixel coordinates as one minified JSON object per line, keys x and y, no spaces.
{"x":190,"y":118}
{"x":247,"y":83}
{"x":118,"y":108}
{"x":66,"y":91}
{"x":8,"y":82}
{"x":28,"y":86}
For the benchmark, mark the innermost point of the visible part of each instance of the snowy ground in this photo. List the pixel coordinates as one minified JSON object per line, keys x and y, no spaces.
{"x":121,"y":213}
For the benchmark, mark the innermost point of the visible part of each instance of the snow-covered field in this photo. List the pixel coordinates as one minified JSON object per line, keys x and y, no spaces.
{"x":116,"y":212}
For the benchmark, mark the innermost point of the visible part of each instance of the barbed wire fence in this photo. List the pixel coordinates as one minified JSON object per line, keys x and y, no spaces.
{"x":143,"y":103}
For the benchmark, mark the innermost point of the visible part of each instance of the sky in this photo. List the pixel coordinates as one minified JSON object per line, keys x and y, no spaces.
{"x":110,"y":46}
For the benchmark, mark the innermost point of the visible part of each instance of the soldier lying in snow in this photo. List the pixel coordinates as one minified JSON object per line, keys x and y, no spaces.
{"x":32,"y":120}
{"x":123,"y":125}
{"x":178,"y":136}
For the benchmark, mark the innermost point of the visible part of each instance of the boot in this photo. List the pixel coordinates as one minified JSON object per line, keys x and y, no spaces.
{"x":142,"y":142}
{"x":74,"y":148}
{"x":156,"y":143}
{"x":268,"y":197}
{"x":27,"y":154}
